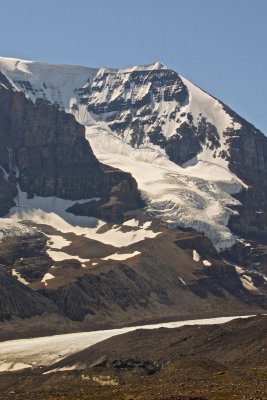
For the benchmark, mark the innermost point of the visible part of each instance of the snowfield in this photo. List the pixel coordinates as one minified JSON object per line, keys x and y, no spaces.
{"x":198,"y":197}
{"x":52,"y":211}
{"x":25,"y":353}
{"x":10,"y":228}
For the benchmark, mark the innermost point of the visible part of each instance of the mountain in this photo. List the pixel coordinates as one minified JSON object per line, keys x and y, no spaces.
{"x":151,"y":114}
{"x":148,"y":196}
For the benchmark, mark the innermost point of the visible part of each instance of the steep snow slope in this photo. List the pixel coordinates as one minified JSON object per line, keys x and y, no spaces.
{"x":54,"y":83}
{"x":191,"y":197}
{"x":146,"y":120}
{"x":202,"y":104}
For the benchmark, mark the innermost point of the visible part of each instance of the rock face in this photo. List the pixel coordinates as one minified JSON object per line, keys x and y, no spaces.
{"x":44,"y":150}
{"x":249,"y":161}
{"x":16,"y":300}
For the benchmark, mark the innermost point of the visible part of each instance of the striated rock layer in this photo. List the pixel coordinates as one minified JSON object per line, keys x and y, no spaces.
{"x":45,"y":152}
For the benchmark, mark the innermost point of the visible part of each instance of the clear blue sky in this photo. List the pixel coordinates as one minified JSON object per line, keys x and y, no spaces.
{"x":221,"y":45}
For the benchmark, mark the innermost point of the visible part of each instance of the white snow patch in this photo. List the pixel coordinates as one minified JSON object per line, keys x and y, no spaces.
{"x":58,"y":242}
{"x":47,"y":277}
{"x":182,"y":280}
{"x":61,"y":256}
{"x":13,"y":366}
{"x":207,"y":263}
{"x":248,"y":283}
{"x":63,"y":369}
{"x":118,"y":256}
{"x":196,"y":256}
{"x":19,"y":277}
{"x":147,"y":224}
{"x":131,"y":222}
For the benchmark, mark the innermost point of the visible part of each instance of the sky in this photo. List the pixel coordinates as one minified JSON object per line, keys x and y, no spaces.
{"x":220,"y":45}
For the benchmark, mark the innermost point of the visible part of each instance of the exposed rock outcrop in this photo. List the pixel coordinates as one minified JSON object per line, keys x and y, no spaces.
{"x":249,"y":161}
{"x":44,"y":150}
{"x":16,"y":300}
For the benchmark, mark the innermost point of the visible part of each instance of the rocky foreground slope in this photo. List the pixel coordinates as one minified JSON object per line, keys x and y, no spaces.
{"x":241,"y":340}
{"x":192,"y":362}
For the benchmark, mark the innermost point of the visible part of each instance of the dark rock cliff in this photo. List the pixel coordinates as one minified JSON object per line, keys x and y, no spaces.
{"x":248,"y":160}
{"x":16,"y":300}
{"x":45,"y":151}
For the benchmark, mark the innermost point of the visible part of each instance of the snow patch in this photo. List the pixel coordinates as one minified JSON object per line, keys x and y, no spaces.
{"x":63,"y":369}
{"x":131,"y":222}
{"x":147,"y":225}
{"x":207,"y":263}
{"x":19,"y":277}
{"x":61,"y":256}
{"x":57,"y":242}
{"x":248,"y":283}
{"x":47,"y":277}
{"x":196,"y":256}
{"x":118,"y":256}
{"x":13,"y":366}
{"x":181,"y":280}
